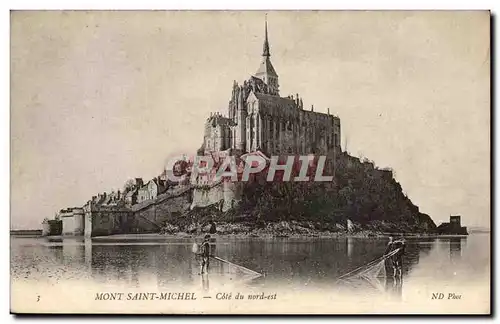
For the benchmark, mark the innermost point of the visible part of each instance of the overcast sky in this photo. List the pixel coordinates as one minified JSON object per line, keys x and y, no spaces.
{"x":101,"y":97}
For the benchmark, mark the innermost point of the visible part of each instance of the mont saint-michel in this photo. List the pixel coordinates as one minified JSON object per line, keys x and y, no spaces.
{"x":259,"y":122}
{"x":249,"y":162}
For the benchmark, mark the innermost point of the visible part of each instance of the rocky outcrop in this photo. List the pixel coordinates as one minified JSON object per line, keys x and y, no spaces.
{"x":370,"y":197}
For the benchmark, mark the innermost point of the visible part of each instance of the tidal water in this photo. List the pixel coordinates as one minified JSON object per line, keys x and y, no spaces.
{"x":444,"y":265}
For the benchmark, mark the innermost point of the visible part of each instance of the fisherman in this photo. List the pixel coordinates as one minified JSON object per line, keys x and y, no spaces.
{"x":205,"y":254}
{"x":397,"y":258}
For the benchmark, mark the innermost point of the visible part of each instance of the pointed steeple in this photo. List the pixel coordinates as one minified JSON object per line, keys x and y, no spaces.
{"x":266,"y":71}
{"x":265,"y":51}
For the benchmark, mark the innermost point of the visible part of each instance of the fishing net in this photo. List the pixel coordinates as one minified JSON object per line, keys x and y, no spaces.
{"x":375,"y":271}
{"x":222,"y":267}
{"x":228,"y":267}
{"x":372,"y":274}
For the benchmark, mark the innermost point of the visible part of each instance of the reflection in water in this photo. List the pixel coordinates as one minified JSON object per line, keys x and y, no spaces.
{"x":88,"y":253}
{"x":205,"y":283}
{"x":456,"y":248}
{"x":73,"y":251}
{"x":350,"y":246}
{"x":286,"y":263}
{"x":394,"y":286}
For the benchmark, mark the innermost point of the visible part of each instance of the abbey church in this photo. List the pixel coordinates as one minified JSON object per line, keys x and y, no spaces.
{"x":259,"y":119}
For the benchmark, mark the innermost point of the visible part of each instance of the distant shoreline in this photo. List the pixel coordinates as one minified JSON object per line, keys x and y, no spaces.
{"x":157,"y":237}
{"x":251,"y":234}
{"x":25,"y":233}
{"x":118,"y":237}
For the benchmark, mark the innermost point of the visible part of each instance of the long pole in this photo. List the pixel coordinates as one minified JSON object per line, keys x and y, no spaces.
{"x":237,"y":266}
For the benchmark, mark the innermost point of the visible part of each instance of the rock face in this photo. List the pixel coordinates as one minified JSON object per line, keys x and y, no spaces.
{"x":370,"y":197}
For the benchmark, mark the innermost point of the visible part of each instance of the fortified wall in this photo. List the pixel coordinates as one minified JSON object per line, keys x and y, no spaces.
{"x":106,"y":220}
{"x":146,"y":217}
{"x":51,"y":227}
{"x":72,"y":221}
{"x":226,"y":194}
{"x":149,"y":216}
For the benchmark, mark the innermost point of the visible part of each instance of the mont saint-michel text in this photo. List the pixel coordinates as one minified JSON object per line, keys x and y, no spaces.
{"x":145,"y":296}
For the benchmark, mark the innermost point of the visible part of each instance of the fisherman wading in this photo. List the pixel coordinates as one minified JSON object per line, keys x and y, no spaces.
{"x":397,"y":258}
{"x":205,"y":254}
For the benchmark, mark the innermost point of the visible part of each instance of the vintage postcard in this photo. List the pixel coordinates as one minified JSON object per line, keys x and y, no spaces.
{"x":250,"y":162}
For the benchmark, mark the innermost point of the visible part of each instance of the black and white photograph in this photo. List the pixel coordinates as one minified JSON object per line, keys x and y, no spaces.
{"x":232,"y":162}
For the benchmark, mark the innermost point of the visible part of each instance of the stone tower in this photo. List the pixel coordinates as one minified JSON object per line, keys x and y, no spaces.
{"x":266,"y":71}
{"x":241,"y":117}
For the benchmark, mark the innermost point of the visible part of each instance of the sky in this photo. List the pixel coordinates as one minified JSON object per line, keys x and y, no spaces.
{"x":101,"y":97}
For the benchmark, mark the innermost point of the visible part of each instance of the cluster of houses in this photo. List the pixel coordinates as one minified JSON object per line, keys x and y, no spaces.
{"x":141,"y":191}
{"x":136,"y":191}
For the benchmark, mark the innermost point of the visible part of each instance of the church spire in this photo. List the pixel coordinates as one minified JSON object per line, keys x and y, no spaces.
{"x":265,"y":51}
{"x":266,"y":70}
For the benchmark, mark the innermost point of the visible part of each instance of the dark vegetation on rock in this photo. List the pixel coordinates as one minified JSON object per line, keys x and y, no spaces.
{"x":370,"y":197}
